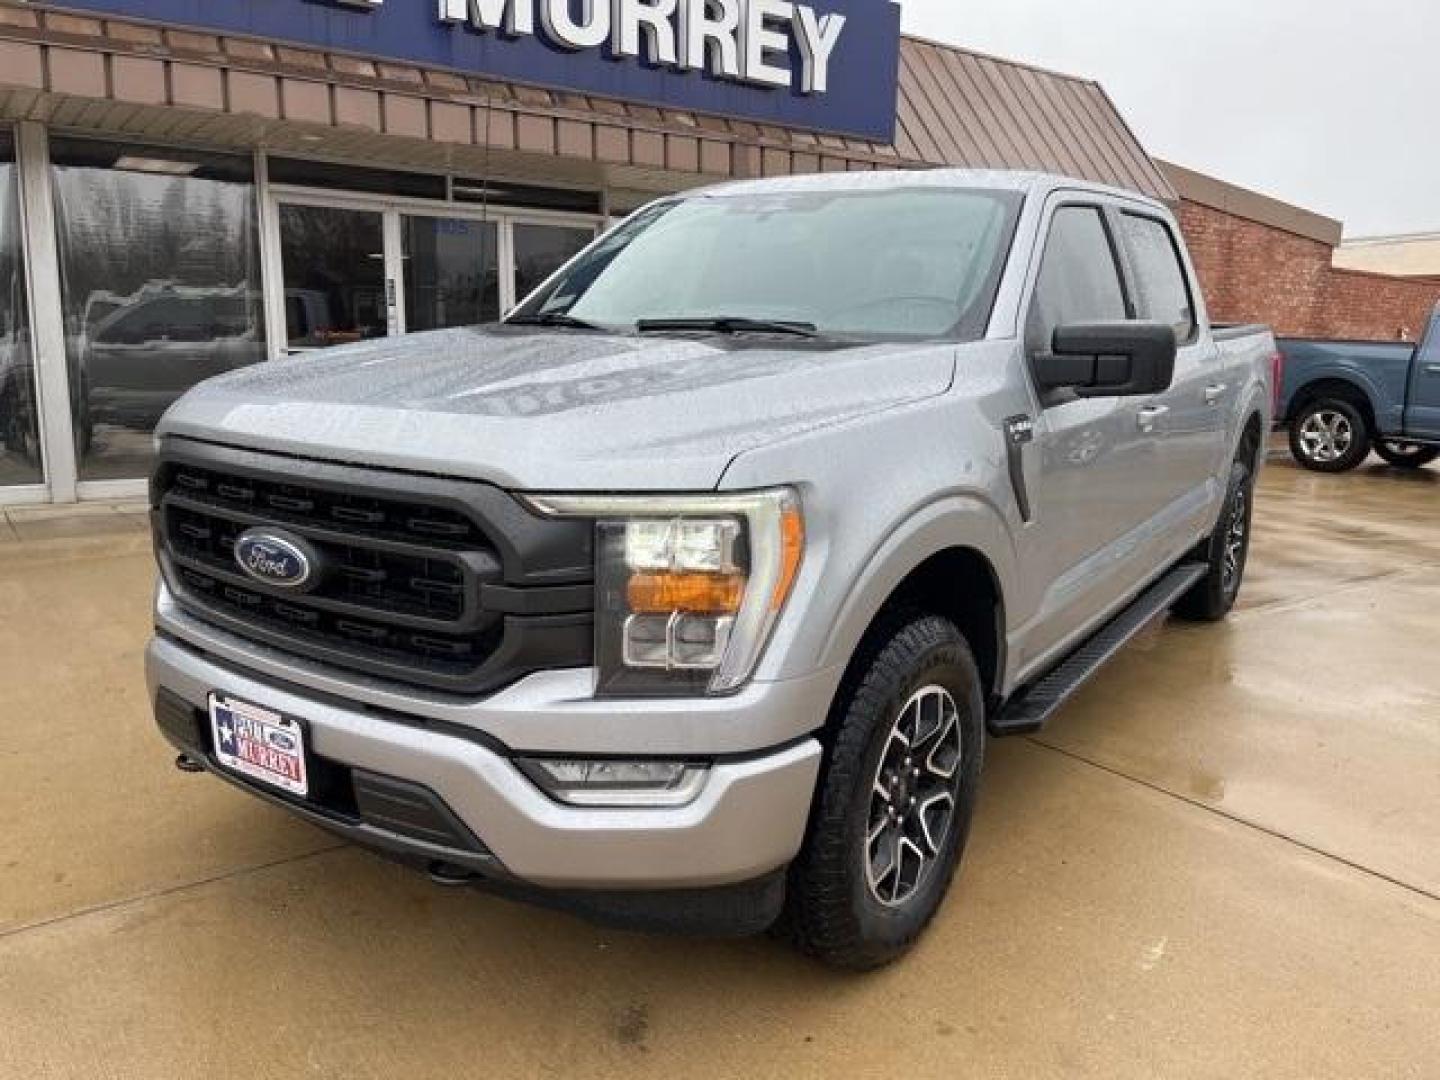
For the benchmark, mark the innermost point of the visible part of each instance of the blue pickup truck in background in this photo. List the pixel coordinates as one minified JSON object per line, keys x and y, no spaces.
{"x":1341,"y":399}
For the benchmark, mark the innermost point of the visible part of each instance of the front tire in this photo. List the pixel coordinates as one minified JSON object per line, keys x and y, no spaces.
{"x":1330,"y":435}
{"x":1406,"y":455}
{"x":1226,"y":553}
{"x":893,"y":812}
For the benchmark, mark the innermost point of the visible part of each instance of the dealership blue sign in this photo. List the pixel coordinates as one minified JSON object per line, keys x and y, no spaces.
{"x":824,"y":65}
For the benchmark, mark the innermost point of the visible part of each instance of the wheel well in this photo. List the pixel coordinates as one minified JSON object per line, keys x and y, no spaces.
{"x":1334,"y":388}
{"x":1252,"y":443}
{"x":959,"y":584}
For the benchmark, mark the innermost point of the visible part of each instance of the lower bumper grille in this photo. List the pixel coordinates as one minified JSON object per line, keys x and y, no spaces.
{"x":344,"y":797}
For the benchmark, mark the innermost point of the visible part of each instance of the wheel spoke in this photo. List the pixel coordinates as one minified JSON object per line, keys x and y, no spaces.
{"x":909,"y":867}
{"x":935,"y":814}
{"x":883,"y":858}
{"x":944,"y":757}
{"x":939,"y":713}
{"x":877,"y":831}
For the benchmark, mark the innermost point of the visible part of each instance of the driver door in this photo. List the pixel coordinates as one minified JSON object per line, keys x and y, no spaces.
{"x":1090,"y":538}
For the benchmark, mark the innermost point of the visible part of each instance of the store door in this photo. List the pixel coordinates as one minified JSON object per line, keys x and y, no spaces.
{"x":336,"y":289}
{"x":451,"y":268}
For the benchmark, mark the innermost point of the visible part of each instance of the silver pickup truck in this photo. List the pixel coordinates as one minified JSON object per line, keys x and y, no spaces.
{"x":686,"y":596}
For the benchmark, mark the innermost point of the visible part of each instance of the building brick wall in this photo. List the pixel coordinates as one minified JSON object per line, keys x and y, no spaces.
{"x":1257,"y":273}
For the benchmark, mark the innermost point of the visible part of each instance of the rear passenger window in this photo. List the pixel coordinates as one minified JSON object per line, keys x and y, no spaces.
{"x":1079,"y":278}
{"x":1161,"y":291}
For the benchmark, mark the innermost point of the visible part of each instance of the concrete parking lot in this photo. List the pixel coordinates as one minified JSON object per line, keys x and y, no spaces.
{"x":1223,"y":860}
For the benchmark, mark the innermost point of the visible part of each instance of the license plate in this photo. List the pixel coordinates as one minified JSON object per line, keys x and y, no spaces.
{"x":259,"y":744}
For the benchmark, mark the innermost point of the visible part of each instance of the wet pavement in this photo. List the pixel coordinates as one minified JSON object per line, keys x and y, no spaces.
{"x":1222,"y":860}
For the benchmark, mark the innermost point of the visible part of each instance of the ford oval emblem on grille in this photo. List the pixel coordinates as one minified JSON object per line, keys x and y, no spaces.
{"x":275,"y":558}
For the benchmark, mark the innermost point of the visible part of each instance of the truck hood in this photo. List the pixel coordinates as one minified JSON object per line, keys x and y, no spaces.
{"x":551,"y":411}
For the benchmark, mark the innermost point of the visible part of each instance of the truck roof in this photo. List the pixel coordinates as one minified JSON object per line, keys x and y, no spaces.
{"x":1026,"y":183}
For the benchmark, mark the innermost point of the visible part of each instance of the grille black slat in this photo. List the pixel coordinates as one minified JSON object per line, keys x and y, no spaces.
{"x":291,"y":503}
{"x":357,"y":515}
{"x":407,"y":563}
{"x":235,"y":493}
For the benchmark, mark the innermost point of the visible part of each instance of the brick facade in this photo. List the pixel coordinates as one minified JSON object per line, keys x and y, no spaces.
{"x":1258,"y":273}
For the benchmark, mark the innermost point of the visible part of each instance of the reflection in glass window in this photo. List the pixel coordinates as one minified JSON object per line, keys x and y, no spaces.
{"x":540,"y":250}
{"x":334,"y":264}
{"x":452,"y":275}
{"x":19,"y":422}
{"x":160,"y":270}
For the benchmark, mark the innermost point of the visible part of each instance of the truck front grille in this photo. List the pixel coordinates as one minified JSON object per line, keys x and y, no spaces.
{"x":444,"y":584}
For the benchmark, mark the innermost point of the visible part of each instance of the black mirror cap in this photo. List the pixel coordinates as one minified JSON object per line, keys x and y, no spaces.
{"x":1110,"y":359}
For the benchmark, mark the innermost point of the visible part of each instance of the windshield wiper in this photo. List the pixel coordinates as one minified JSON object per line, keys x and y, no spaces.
{"x":554,"y":318}
{"x":728,"y":324}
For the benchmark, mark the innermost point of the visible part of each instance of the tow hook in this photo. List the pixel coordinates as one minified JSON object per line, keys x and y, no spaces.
{"x":450,"y":876}
{"x":186,"y":764}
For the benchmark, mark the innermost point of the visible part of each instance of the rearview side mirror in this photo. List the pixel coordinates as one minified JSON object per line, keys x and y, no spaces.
{"x":1112,"y":359}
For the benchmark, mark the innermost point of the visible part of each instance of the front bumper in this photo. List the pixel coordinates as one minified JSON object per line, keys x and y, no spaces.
{"x":747,"y":822}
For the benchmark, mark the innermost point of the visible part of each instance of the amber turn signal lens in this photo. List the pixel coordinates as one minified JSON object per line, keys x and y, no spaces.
{"x":693,"y":594}
{"x":792,"y":546}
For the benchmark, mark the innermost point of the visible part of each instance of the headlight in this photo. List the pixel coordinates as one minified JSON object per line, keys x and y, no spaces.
{"x":687,"y":590}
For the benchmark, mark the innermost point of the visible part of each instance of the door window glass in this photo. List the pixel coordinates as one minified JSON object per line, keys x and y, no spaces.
{"x":19,"y":420}
{"x":452,"y":275}
{"x":1161,"y":292}
{"x":540,"y":250}
{"x":160,"y":278}
{"x":1079,"y":278}
{"x":334,"y":264}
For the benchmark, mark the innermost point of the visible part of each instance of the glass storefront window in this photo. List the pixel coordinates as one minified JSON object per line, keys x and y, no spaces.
{"x":452,"y":272}
{"x":159,"y":262}
{"x":334,"y":264}
{"x":19,"y":417}
{"x":540,"y":250}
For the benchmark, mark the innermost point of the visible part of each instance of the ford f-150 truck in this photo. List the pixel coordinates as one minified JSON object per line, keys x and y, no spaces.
{"x":687,"y":595}
{"x":1341,"y":399}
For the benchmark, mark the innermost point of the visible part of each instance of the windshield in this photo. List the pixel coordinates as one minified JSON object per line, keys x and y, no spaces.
{"x":903,"y":264}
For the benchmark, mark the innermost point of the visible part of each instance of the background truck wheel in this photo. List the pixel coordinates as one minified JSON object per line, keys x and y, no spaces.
{"x":1330,"y":435}
{"x":1226,"y":553}
{"x":894,"y":807}
{"x":1406,"y":455}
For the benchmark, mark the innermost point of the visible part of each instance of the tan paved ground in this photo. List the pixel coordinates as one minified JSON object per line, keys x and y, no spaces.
{"x":1223,"y":860}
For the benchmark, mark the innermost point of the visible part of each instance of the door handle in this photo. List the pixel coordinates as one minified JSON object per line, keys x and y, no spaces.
{"x":1433,"y":369}
{"x":1149,"y":417}
{"x":1213,"y":394}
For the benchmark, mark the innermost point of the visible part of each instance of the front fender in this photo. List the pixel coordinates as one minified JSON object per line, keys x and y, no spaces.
{"x":954,"y":522}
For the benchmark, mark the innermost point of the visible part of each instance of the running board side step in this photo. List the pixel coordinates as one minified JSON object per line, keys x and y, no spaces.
{"x":1032,"y":709}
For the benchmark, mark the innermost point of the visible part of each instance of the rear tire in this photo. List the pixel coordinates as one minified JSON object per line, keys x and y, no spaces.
{"x":1226,"y":553}
{"x":894,"y":806}
{"x":1330,"y":435}
{"x":1406,"y":455}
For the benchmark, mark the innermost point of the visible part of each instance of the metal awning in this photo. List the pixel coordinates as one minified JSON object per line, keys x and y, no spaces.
{"x":956,"y":108}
